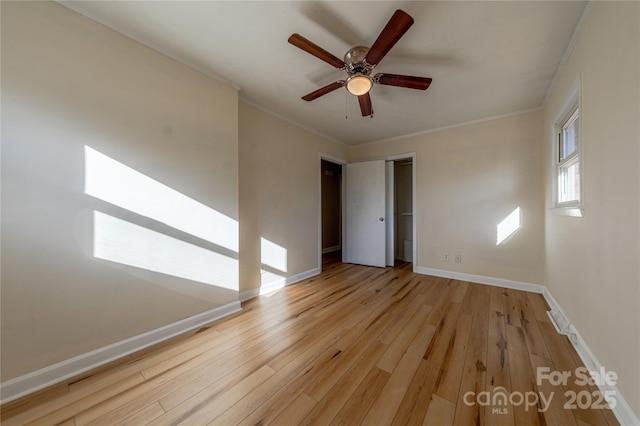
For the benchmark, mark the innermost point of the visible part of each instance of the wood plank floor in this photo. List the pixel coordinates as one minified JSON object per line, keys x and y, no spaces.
{"x":354,"y":345}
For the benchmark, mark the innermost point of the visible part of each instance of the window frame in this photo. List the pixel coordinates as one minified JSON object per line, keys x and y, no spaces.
{"x":570,"y":108}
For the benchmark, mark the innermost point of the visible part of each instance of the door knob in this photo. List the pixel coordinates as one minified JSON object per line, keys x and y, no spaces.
{"x":381,"y":219}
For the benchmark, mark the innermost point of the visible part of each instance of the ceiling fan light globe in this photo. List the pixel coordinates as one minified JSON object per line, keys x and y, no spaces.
{"x":359,"y":84}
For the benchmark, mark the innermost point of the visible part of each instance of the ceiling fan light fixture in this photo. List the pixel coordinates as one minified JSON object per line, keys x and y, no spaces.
{"x":359,"y":84}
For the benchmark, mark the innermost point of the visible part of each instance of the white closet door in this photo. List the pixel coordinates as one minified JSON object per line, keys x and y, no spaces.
{"x":365,"y":205}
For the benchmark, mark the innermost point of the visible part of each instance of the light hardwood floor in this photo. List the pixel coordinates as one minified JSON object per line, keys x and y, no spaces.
{"x":354,"y":345}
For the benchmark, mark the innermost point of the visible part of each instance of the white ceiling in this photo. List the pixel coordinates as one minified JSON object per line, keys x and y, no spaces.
{"x":486,"y":58}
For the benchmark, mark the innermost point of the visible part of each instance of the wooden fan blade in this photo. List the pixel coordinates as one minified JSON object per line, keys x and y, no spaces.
{"x":323,"y":90}
{"x":308,"y":46}
{"x":399,"y":23}
{"x":365,"y":104}
{"x":408,"y":81}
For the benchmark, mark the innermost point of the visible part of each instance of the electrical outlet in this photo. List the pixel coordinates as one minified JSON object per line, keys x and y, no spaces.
{"x":445,"y":257}
{"x":458,"y":258}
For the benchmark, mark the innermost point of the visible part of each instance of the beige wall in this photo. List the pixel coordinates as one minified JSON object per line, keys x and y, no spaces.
{"x":592,"y":262}
{"x":279,"y":194}
{"x":68,"y":82}
{"x":468,"y":179}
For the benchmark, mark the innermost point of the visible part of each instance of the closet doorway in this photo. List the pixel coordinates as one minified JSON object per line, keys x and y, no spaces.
{"x":399,"y":194}
{"x":403,"y":209}
{"x":331,"y":211}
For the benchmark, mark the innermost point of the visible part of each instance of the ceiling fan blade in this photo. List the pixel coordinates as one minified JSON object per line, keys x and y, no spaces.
{"x":365,"y":104}
{"x":315,"y":50}
{"x":323,"y":90}
{"x":408,"y":81}
{"x":399,"y":23}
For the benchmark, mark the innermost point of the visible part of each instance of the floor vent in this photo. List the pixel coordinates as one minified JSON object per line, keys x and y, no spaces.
{"x":559,"y":320}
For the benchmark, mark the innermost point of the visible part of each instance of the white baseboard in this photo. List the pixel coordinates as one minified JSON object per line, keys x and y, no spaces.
{"x":56,"y":373}
{"x":622,"y":411}
{"x":283,"y":282}
{"x":481,"y":279}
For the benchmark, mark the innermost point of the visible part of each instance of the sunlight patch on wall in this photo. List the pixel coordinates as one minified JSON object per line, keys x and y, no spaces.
{"x":123,"y":242}
{"x":115,"y":183}
{"x":273,"y":255}
{"x":126,"y":243}
{"x":508,"y":226}
{"x":273,"y":259}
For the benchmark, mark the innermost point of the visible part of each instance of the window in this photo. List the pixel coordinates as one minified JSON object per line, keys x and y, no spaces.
{"x":569,"y":160}
{"x":567,"y":199}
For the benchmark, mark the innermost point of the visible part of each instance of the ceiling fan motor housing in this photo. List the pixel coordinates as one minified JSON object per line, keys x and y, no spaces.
{"x":354,"y":59}
{"x":358,"y":83}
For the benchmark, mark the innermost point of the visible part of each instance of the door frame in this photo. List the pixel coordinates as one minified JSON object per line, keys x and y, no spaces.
{"x":414,"y":161}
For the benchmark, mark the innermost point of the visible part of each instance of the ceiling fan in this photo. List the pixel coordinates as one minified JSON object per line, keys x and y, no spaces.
{"x":359,"y":61}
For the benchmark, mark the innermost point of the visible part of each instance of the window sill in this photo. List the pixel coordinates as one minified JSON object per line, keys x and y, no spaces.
{"x":568,"y":211}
